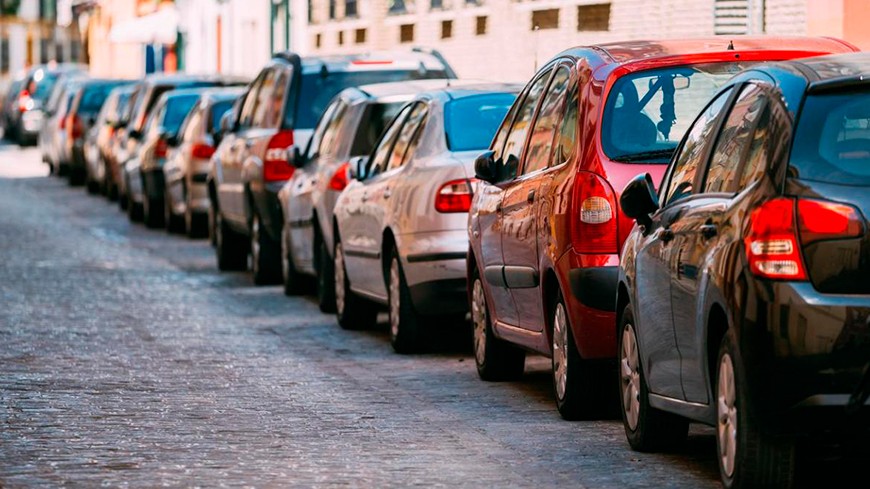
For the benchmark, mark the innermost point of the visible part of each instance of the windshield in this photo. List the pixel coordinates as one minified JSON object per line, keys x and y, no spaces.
{"x":41,"y":85}
{"x":318,"y":90}
{"x":832,"y":140}
{"x":648,"y":112}
{"x":177,"y":109}
{"x":470,"y":122}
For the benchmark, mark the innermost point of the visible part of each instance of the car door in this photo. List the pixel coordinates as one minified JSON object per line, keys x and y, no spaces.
{"x":655,"y":322}
{"x":516,"y":212}
{"x":231,"y":188}
{"x":697,"y":233}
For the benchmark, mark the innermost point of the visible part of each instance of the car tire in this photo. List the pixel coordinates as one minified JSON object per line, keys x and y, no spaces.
{"x":325,"y":279}
{"x":496,"y":359}
{"x":174,"y":222}
{"x":407,"y":328}
{"x":295,"y":283}
{"x":152,"y":209}
{"x":196,"y":224}
{"x":230,"y":247}
{"x":352,"y":311}
{"x":647,"y":429}
{"x":76,"y":177}
{"x":134,"y":210}
{"x":747,"y":456}
{"x":93,"y":186}
{"x":265,"y":255}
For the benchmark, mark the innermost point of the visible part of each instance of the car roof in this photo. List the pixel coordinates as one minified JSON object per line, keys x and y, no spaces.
{"x":391,"y":89}
{"x":834,"y":71}
{"x":372,"y":61}
{"x":185,"y":92}
{"x":213,"y":95}
{"x":174,"y":78}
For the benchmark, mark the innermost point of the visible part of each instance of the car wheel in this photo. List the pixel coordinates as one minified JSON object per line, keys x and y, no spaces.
{"x":647,"y":428}
{"x":325,"y":279}
{"x":407,"y":329}
{"x":174,"y":222}
{"x":351,"y":310}
{"x":294,"y":282}
{"x":134,"y":210}
{"x":152,"y":209}
{"x":747,"y":457}
{"x":265,"y":255}
{"x":76,"y":176}
{"x":93,"y":186}
{"x":195,"y":223}
{"x":496,"y":359}
{"x":229,"y":247}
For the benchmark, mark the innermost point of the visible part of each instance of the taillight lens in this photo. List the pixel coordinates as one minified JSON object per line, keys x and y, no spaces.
{"x":594,"y":223}
{"x":819,"y":220}
{"x":161,"y":149}
{"x":276,"y":165}
{"x":340,"y":178}
{"x":202,"y":150}
{"x":454,"y":196}
{"x":25,"y":101}
{"x":75,"y":127}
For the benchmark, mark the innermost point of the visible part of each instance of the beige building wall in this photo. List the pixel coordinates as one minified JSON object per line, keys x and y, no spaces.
{"x":112,"y":59}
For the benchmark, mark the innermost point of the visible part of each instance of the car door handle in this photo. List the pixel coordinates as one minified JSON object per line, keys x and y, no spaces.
{"x":365,"y":197}
{"x":531,"y":197}
{"x":709,"y":230}
{"x":387,"y":193}
{"x":248,"y":143}
{"x":666,"y":235}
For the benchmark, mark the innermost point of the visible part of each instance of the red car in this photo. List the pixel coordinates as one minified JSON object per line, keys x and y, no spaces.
{"x":545,"y":228}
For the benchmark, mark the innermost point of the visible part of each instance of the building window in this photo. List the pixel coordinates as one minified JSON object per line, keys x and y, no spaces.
{"x":545,"y":19}
{"x":473,"y":2}
{"x":434,"y":4}
{"x":406,"y":33}
{"x":480,"y":25}
{"x":58,"y":51}
{"x":310,"y":11}
{"x":341,"y":38}
{"x":593,"y":17}
{"x":359,"y":36}
{"x":4,"y":55}
{"x":446,"y":29}
{"x":350,"y":8}
{"x":43,"y":51}
{"x":331,"y":9}
{"x":317,"y":40}
{"x":397,"y":6}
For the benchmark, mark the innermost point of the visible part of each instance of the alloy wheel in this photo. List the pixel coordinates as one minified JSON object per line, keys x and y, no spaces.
{"x":727,"y":410}
{"x":339,"y":278}
{"x":395,"y":291}
{"x":630,"y":375}
{"x":560,"y":351}
{"x":478,"y":318}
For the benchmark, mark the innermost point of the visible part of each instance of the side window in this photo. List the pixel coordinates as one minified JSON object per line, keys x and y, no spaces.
{"x":331,"y":140}
{"x":513,"y":147}
{"x":246,"y":116}
{"x":320,"y":129}
{"x":272,"y":113}
{"x":264,"y":98}
{"x":385,"y":145}
{"x":567,"y":137}
{"x":192,"y":128}
{"x":685,"y":165}
{"x":734,"y":141}
{"x":405,"y":142}
{"x":541,"y":141}
{"x":501,"y":134}
{"x":767,"y":132}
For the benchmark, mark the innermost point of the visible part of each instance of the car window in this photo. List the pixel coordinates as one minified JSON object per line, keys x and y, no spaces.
{"x":517,"y":136}
{"x":217,"y":112}
{"x":331,"y":140}
{"x":695,"y":144}
{"x":759,"y":149}
{"x":501,"y":135}
{"x":177,"y":110}
{"x":566,"y":139}
{"x":541,"y":141}
{"x":192,"y":127}
{"x":408,"y":134}
{"x":733,"y":141}
{"x":246,"y":116}
{"x":263,"y":102}
{"x":320,"y":129}
{"x":371,"y":125}
{"x":385,"y":145}
{"x":153,"y":120}
{"x":470,"y":122}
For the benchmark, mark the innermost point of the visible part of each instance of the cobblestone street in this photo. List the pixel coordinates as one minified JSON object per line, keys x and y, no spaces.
{"x":127,"y":359}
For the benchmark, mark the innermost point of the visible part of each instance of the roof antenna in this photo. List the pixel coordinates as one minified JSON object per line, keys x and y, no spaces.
{"x":730,"y":45}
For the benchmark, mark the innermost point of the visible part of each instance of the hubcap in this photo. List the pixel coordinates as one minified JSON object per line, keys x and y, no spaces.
{"x":255,"y":244}
{"x":560,"y":351}
{"x":394,"y":297}
{"x":727,"y":409}
{"x":478,"y":317}
{"x":630,"y":377}
{"x":339,"y":279}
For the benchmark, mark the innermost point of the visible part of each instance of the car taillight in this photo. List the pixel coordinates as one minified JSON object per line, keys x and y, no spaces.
{"x":25,"y":101}
{"x":454,"y":196}
{"x":594,"y":220}
{"x":819,"y":220}
{"x":339,"y":179}
{"x":75,"y":127}
{"x":202,"y":150}
{"x":61,"y":123}
{"x":276,"y":165}
{"x":161,"y":148}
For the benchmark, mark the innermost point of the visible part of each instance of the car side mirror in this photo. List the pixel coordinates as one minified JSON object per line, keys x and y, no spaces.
{"x":297,"y":159}
{"x":358,"y":167}
{"x":486,"y":168}
{"x":133,"y":133}
{"x":227,"y":123}
{"x":639,"y":199}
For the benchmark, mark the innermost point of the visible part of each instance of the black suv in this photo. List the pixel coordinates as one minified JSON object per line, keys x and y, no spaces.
{"x":272,"y":127}
{"x":744,"y":297}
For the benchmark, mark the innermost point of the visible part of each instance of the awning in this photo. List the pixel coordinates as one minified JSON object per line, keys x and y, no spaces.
{"x":161,"y":27}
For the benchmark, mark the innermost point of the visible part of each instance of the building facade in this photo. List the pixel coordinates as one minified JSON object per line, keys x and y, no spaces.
{"x":32,"y":32}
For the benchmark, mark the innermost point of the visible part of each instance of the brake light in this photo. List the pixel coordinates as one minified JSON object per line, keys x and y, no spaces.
{"x":454,"y":196}
{"x":61,"y":123}
{"x":819,"y":220}
{"x":202,"y":150}
{"x":339,"y":179}
{"x":74,"y":127}
{"x":594,"y":223}
{"x":276,"y":165}
{"x":161,"y":148}
{"x":772,"y":245}
{"x":25,"y":101}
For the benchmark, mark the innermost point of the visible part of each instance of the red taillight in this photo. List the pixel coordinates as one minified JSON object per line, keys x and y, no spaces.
{"x":593,"y":225}
{"x":74,"y":127}
{"x":818,"y":220}
{"x":202,"y":150}
{"x":772,"y":246}
{"x":25,"y":101}
{"x":454,"y":196}
{"x":340,"y":178}
{"x":276,"y":165}
{"x":61,"y":123}
{"x":161,"y":148}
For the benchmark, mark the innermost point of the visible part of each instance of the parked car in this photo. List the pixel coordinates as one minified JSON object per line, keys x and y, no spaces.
{"x":10,"y":104}
{"x":255,"y":158}
{"x":401,"y":236}
{"x":186,"y":168}
{"x":80,"y":117}
{"x":545,"y":227}
{"x":52,"y":134}
{"x":26,"y":120}
{"x":142,"y":102}
{"x":98,"y":140}
{"x":743,"y":294}
{"x":144,"y":171}
{"x":350,"y":127}
{"x":116,"y":151}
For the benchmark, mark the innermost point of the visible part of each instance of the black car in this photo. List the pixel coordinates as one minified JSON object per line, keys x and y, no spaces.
{"x":25,"y":120}
{"x":255,"y":157}
{"x":744,"y":298}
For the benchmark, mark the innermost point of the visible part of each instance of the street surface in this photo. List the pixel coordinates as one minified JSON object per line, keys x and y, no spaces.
{"x":127,"y":359}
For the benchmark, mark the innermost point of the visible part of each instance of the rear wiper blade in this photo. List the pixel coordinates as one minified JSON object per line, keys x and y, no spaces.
{"x":645,"y":155}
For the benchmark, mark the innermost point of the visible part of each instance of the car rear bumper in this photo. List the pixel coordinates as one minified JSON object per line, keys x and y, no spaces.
{"x":268,"y":207}
{"x":434,"y":264}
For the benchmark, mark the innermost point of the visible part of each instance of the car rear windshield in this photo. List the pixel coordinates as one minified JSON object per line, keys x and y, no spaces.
{"x":41,"y":89}
{"x":94,"y":96}
{"x":648,"y":112}
{"x":217,"y":111}
{"x":320,"y":87}
{"x":177,"y":109}
{"x":143,"y":107}
{"x":470,"y":122}
{"x":832,"y":139}
{"x":371,"y":125}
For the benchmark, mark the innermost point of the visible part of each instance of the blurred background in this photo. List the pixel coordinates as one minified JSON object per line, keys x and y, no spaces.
{"x":492,"y":39}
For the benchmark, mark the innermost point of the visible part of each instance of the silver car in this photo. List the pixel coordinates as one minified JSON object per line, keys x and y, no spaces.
{"x":401,"y":223}
{"x":52,"y":134}
{"x":349,"y":127}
